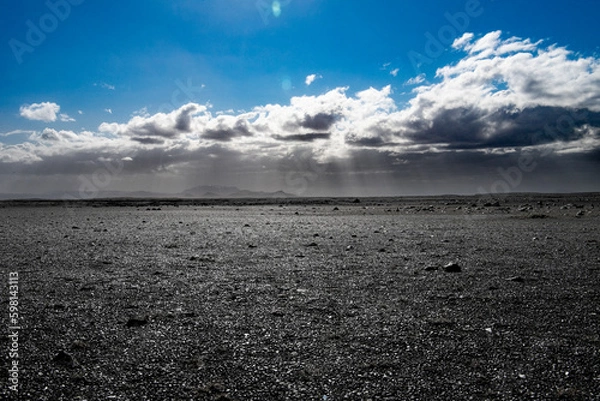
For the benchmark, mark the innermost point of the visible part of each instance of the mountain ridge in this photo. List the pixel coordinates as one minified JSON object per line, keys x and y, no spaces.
{"x":200,"y":192}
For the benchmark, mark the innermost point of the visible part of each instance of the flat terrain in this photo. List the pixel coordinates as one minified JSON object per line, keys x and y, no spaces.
{"x":322,"y":299}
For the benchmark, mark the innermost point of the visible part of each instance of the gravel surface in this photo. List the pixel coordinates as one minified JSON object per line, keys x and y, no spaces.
{"x":445,"y":298}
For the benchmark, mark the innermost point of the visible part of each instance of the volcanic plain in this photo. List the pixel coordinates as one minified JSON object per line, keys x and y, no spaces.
{"x":439,"y":298}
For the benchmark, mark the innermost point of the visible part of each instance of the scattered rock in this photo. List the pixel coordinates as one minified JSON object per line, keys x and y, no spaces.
{"x":516,"y":279}
{"x":64,"y":359}
{"x":580,"y":213}
{"x":452,"y":268}
{"x":538,"y":216}
{"x":336,"y":208}
{"x":313,"y":244}
{"x":431,"y":268}
{"x":75,"y":228}
{"x":79,"y":345}
{"x":137,"y":322}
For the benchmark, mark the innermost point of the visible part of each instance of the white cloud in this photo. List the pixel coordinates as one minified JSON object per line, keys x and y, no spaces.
{"x":463,"y":40}
{"x":66,"y":118}
{"x":17,"y":132}
{"x":45,"y":111}
{"x":311,"y":78}
{"x":395,"y":72}
{"x":105,"y":86}
{"x":109,"y":111}
{"x":49,"y":134}
{"x":416,"y":80}
{"x":141,"y":112}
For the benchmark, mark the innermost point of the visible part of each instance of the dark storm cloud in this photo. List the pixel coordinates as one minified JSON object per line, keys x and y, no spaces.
{"x":302,"y":137}
{"x":148,"y":140}
{"x":371,"y":142}
{"x":452,"y":126}
{"x":183,"y":122}
{"x":540,"y":125}
{"x":319,"y":122}
{"x":152,"y":128}
{"x":224,"y":133}
{"x":473,"y":128}
{"x":367,"y":142}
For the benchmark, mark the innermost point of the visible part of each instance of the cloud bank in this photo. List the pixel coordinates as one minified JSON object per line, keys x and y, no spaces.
{"x":504,"y":98}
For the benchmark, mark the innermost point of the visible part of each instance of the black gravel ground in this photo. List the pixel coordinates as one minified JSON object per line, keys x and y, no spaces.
{"x":322,"y":299}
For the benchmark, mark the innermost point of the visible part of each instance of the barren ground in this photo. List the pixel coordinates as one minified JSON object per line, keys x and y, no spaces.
{"x":320,"y":299}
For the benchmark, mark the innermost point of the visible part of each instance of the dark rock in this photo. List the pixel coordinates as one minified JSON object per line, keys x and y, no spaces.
{"x":516,"y":279}
{"x":538,"y":216}
{"x":336,"y":208}
{"x":356,"y":200}
{"x":431,"y":268}
{"x":64,"y":359}
{"x":452,"y":268}
{"x":313,"y":244}
{"x":79,"y":345}
{"x":137,"y":322}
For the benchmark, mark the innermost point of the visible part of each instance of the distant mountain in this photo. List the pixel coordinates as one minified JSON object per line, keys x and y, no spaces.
{"x":209,"y":191}
{"x":202,"y":191}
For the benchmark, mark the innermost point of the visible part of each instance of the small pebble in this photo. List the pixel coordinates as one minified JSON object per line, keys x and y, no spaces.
{"x":452,"y":268}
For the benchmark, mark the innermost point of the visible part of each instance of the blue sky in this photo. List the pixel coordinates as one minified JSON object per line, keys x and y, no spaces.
{"x":85,"y":83}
